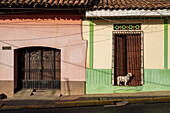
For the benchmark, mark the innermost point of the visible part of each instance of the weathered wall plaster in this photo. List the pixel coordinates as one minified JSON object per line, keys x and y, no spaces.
{"x":45,"y":30}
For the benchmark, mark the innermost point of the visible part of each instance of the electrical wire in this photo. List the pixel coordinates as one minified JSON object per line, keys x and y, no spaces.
{"x":4,"y":41}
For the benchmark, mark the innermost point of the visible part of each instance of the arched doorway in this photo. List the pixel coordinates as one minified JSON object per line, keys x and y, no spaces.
{"x":38,"y":68}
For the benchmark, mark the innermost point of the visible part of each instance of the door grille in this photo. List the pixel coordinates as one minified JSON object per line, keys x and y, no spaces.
{"x":39,"y":68}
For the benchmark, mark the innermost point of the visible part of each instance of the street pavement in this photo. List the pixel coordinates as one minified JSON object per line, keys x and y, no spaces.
{"x":134,"y":108}
{"x":51,"y":100}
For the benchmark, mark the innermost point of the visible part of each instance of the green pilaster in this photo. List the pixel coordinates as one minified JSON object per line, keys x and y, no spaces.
{"x":91,"y":45}
{"x":165,"y":43}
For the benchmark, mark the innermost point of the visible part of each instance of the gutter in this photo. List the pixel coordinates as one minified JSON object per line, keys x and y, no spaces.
{"x":112,"y":102}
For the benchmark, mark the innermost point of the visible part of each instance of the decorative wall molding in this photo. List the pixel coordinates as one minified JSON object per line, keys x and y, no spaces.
{"x":109,"y":13}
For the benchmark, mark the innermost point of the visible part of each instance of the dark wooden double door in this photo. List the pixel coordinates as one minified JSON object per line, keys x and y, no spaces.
{"x":39,"y":68}
{"x":127,"y":56}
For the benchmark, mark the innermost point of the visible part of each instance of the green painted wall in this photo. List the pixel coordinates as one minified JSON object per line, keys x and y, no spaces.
{"x":156,"y":79}
{"x":99,"y":80}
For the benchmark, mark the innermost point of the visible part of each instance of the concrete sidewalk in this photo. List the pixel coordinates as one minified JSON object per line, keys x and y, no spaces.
{"x":51,"y":101}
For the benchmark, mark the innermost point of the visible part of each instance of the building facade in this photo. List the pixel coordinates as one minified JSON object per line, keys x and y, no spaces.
{"x":82,"y":46}
{"x":42,"y":47}
{"x":128,"y":38}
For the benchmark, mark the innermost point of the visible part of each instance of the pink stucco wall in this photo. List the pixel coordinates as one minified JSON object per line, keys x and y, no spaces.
{"x":72,"y":50}
{"x":61,"y":32}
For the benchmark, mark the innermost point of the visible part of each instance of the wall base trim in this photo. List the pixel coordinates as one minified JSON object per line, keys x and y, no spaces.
{"x":99,"y":81}
{"x":7,"y":87}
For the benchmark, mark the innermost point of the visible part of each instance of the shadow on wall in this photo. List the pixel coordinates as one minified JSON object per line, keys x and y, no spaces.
{"x":145,"y":21}
{"x":67,"y":87}
{"x":155,"y":83}
{"x":7,"y":65}
{"x":64,"y":15}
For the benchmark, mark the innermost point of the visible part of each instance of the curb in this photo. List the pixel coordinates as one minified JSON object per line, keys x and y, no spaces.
{"x":89,"y":103}
{"x":112,"y":102}
{"x":9,"y":108}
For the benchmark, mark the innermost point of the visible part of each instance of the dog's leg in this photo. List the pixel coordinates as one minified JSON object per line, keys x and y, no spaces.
{"x":125,"y":83}
{"x":118,"y":82}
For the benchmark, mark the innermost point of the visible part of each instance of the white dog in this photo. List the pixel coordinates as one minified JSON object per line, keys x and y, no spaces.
{"x":124,"y":79}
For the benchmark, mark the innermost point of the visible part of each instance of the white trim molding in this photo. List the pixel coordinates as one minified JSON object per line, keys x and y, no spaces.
{"x":112,"y":13}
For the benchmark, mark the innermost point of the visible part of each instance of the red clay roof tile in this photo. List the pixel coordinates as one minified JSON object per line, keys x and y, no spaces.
{"x":94,"y":4}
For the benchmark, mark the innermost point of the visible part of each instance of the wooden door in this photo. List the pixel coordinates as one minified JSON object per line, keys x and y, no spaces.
{"x":127,"y":57}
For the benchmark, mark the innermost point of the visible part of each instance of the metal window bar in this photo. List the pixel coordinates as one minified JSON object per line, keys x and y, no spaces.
{"x":127,"y":56}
